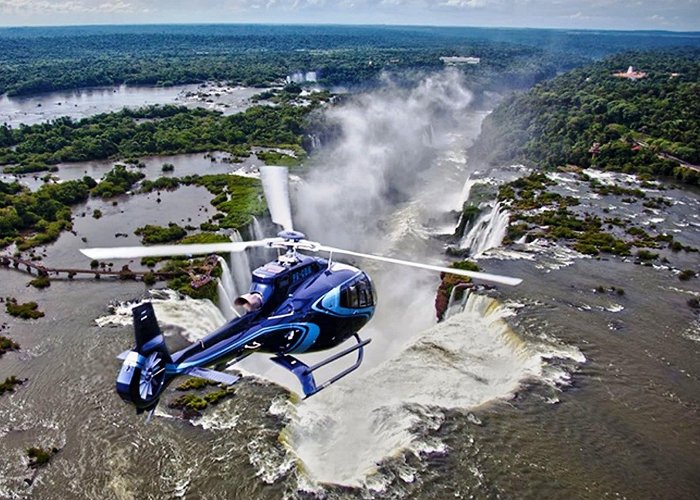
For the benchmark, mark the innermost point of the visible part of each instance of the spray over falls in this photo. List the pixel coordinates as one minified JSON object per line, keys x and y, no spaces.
{"x":342,"y":435}
{"x":380,"y":158}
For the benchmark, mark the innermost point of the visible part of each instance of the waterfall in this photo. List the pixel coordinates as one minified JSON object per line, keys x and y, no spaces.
{"x":473,"y":357}
{"x":455,"y":306}
{"x":257,"y":256}
{"x":256,"y":229}
{"x":227,"y":290}
{"x":240,"y":267}
{"x":466,"y":190}
{"x":488,"y":231}
{"x":225,"y":302}
{"x":191,"y":318}
{"x":315,"y":141}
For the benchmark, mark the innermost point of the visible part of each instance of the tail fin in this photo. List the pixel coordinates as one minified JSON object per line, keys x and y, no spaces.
{"x":143,"y":374}
{"x":146,"y":330}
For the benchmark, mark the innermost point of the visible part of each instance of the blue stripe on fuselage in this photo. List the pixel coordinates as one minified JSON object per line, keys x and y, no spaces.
{"x":182,"y":367}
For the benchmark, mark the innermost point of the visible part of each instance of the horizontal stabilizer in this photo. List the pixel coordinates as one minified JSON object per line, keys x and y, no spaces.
{"x":214,"y":376}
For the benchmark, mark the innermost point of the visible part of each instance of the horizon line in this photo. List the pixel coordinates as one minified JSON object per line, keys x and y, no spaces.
{"x":358,"y":25}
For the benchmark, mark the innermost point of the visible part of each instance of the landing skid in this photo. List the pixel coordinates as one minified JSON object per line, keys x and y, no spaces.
{"x":305,"y":373}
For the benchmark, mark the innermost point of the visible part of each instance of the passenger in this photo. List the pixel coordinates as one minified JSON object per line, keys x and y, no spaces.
{"x":250,"y":301}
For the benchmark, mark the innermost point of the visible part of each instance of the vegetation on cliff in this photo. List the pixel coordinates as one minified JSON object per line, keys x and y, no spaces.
{"x":592,"y":117}
{"x":448,"y":283}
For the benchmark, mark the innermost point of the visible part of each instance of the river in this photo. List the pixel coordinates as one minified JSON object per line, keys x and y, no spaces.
{"x":82,"y":103}
{"x":550,"y":389}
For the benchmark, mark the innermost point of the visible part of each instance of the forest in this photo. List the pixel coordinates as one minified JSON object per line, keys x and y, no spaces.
{"x":44,"y":59}
{"x":151,"y":130}
{"x":592,"y":117}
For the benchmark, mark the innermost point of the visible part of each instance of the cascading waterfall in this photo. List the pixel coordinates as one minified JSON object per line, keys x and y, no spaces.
{"x":488,"y":231}
{"x":239,"y":266}
{"x":257,"y":230}
{"x":192,"y":318}
{"x":315,"y":141}
{"x":341,"y":435}
{"x":466,"y":190}
{"x":258,"y":255}
{"x":227,"y":291}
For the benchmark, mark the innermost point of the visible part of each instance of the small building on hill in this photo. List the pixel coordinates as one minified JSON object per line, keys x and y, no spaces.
{"x":631,"y":74}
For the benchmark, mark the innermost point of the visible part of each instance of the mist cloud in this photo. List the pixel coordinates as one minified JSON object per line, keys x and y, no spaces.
{"x":387,"y":140}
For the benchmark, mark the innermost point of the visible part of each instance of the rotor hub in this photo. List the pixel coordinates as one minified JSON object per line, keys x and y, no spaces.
{"x":294,"y":236}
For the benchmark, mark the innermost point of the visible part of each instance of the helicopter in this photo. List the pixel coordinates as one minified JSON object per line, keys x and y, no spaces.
{"x":296,"y":304}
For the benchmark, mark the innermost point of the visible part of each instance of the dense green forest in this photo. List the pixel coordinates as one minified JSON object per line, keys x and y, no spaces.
{"x":591,"y":117}
{"x":43,"y":59}
{"x":151,"y":130}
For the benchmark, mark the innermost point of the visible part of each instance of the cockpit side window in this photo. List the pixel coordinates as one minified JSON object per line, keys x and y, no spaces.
{"x":357,"y":294}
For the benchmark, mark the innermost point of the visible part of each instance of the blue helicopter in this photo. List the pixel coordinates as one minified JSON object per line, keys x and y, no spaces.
{"x":296,"y":304}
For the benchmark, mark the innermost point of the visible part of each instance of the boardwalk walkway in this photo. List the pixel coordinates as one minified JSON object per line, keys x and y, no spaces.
{"x":200,"y":275}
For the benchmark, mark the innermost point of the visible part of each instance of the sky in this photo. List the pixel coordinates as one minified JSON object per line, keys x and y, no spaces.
{"x":676,"y":15}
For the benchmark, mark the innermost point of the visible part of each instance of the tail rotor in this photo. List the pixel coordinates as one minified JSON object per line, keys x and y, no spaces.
{"x":143,"y":374}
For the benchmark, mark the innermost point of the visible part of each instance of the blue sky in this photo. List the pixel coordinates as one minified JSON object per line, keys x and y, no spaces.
{"x":683,"y":15}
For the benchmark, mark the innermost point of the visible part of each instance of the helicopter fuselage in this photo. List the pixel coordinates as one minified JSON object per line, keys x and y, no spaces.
{"x":308,"y":306}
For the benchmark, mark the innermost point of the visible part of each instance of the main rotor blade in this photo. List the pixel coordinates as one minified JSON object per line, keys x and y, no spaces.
{"x":275,"y":181}
{"x":171,"y":250}
{"x":495,"y":278}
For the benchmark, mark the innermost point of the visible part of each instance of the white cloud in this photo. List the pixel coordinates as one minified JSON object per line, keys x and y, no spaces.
{"x":610,"y":14}
{"x":465,"y":3}
{"x":65,"y":6}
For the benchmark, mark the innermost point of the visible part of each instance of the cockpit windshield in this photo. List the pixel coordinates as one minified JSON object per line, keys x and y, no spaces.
{"x":358,"y":293}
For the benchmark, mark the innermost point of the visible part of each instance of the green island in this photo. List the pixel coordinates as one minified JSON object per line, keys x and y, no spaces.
{"x":28,"y":310}
{"x":538,"y":213}
{"x":152,"y":130}
{"x":196,"y":401}
{"x":7,"y":345}
{"x":9,"y":384}
{"x":40,"y":457}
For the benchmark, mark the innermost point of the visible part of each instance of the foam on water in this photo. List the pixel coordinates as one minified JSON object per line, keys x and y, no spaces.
{"x":341,"y":435}
{"x":192,"y":318}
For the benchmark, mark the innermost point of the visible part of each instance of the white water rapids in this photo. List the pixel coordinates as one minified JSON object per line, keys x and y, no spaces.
{"x":342,"y":434}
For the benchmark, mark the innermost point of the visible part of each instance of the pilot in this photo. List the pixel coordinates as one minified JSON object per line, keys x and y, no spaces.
{"x":250,"y":301}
